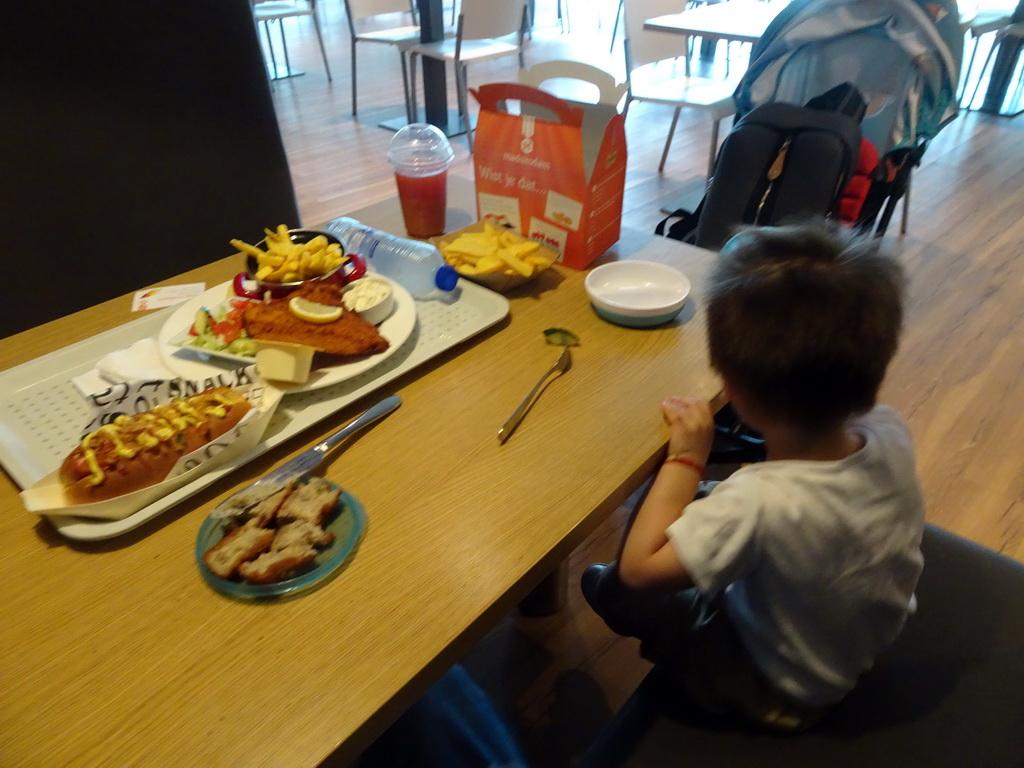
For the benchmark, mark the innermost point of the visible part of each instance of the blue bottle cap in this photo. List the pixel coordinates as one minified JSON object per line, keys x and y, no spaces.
{"x":446,"y":277}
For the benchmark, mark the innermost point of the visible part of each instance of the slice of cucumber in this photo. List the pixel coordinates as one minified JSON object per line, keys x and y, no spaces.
{"x":203,"y":321}
{"x":561,"y":337}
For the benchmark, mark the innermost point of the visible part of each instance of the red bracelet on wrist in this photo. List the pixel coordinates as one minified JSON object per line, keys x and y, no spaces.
{"x":686,"y":461}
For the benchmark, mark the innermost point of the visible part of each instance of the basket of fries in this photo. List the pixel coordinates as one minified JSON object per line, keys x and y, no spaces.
{"x":287,"y":258}
{"x":494,"y":257}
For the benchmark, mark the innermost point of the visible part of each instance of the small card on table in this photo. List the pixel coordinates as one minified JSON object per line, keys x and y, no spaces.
{"x":169,"y":295}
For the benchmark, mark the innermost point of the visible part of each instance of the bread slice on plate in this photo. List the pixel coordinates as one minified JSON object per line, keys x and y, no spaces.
{"x":300,"y":532}
{"x":311,"y":501}
{"x":274,"y":566}
{"x":242,"y":544}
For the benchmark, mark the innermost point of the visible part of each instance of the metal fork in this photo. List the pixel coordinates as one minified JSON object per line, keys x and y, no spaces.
{"x":313,"y":457}
{"x":562,"y":365}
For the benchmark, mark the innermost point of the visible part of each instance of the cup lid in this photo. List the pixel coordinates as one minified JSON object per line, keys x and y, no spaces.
{"x":420,"y":148}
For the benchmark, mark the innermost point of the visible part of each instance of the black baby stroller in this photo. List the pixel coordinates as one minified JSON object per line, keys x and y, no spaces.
{"x":902,"y":55}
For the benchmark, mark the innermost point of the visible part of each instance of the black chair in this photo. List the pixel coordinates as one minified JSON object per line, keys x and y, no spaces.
{"x":948,"y":694}
{"x":137,"y":138}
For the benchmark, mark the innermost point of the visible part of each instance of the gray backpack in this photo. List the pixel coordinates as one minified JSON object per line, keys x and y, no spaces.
{"x":780,"y":163}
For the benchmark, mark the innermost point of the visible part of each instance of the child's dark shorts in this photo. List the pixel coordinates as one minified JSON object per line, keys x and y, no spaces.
{"x":694,"y":641}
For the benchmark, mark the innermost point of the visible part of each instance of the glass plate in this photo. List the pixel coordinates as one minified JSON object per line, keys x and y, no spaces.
{"x":184,"y":340}
{"x":347,"y":522}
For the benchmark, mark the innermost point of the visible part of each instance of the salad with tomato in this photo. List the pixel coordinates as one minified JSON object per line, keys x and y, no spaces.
{"x":221,"y":329}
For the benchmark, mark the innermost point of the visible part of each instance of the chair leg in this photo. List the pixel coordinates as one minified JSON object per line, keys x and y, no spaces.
{"x":354,"y":77}
{"x":906,"y":205}
{"x":270,"y":48}
{"x":413,"y":107}
{"x":1020,"y":88}
{"x":967,"y":73}
{"x":714,"y":148}
{"x":461,"y":76}
{"x":323,"y":51}
{"x":615,"y":26}
{"x":984,"y":68}
{"x":284,"y":47}
{"x":668,"y":140}
{"x":410,"y":115}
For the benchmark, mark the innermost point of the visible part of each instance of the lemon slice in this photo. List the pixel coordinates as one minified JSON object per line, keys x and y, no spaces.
{"x":311,"y":312}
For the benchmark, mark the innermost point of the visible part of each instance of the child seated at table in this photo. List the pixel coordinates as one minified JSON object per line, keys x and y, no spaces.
{"x":770,"y":596}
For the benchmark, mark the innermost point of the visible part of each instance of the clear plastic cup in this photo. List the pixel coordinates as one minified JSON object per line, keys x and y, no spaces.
{"x":420,"y":155}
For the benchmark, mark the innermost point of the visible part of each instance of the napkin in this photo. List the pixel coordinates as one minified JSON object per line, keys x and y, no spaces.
{"x":141,"y":361}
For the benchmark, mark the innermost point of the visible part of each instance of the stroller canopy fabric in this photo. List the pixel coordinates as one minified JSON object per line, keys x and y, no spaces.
{"x":903,"y":56}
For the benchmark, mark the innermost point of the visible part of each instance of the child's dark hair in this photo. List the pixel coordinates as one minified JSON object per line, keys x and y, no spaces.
{"x":804,"y":321}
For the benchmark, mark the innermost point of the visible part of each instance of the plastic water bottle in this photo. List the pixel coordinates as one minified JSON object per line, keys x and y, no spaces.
{"x":417,"y":266}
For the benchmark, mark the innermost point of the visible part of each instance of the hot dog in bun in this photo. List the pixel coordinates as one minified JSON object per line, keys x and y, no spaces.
{"x":140,"y":450}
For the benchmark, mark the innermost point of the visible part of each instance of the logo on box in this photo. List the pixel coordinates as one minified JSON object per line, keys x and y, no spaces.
{"x":549,"y":235}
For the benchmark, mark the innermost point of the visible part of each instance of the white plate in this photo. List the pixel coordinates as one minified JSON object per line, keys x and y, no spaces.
{"x":196,"y":363}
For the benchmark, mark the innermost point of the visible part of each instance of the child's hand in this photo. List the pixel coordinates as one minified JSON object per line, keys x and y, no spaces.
{"x":692,"y":427}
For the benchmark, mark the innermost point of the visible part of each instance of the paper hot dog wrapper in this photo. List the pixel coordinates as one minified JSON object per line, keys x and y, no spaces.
{"x":46,"y":496}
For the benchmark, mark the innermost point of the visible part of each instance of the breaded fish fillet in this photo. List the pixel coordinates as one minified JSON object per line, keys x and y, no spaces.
{"x":348,"y":335}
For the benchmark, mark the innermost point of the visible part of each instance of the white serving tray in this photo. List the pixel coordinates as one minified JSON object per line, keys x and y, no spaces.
{"x":42,"y":413}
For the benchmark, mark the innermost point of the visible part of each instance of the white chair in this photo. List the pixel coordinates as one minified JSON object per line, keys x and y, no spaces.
{"x":1013,"y":31}
{"x":984,"y":22}
{"x":402,"y":37}
{"x":561,"y":15}
{"x":581,"y":83}
{"x":562,"y":10}
{"x":653,"y":63}
{"x":579,"y":80}
{"x":278,"y":10}
{"x":480,"y":27}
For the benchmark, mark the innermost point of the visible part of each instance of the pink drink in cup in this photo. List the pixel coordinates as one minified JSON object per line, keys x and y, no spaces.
{"x":424,"y":200}
{"x":420,"y":155}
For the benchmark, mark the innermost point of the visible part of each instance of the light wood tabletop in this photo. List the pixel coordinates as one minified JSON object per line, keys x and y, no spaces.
{"x":742,"y":21}
{"x":117,"y":653}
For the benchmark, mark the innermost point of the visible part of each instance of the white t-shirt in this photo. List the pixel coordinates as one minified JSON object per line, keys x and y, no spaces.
{"x":818,"y":560}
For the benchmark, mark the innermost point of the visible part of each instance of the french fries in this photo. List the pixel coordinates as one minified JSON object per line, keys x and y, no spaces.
{"x":284,"y":261}
{"x":494,"y":251}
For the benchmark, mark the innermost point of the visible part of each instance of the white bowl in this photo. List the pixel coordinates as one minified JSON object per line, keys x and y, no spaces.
{"x":637,"y":294}
{"x":377,"y":312}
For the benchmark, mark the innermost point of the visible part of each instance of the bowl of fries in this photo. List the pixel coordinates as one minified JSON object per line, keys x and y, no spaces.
{"x":287,"y":258}
{"x":494,"y":257}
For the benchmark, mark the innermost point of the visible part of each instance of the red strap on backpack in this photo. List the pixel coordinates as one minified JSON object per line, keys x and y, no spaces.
{"x":857,"y":190}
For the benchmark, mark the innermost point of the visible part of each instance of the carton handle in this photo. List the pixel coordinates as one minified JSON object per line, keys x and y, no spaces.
{"x":491,"y":94}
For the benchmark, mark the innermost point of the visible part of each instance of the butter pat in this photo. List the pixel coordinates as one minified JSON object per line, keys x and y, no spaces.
{"x":284,"y":361}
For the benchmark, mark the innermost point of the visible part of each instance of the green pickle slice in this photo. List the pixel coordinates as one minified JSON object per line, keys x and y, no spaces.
{"x":561,"y":337}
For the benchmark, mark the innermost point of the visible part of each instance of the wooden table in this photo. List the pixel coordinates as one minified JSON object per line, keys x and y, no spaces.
{"x":742,"y":21}
{"x":117,"y":653}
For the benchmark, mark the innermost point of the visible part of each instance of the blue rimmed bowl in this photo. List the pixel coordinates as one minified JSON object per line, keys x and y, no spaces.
{"x":347,"y":522}
{"x":637,"y":294}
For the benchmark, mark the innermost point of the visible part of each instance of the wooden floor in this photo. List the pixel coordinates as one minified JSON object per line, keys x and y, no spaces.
{"x":959,"y":375}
